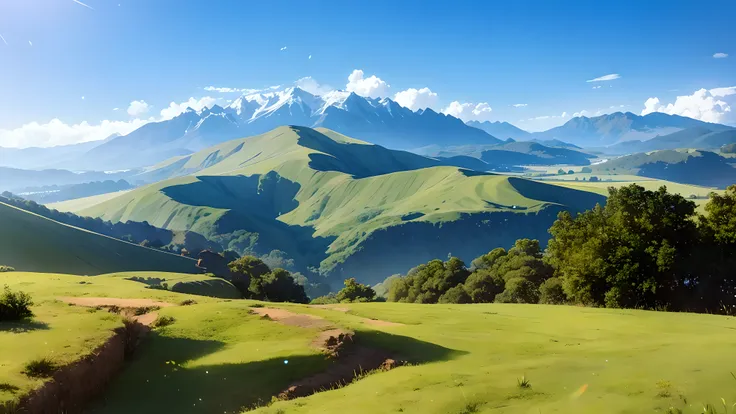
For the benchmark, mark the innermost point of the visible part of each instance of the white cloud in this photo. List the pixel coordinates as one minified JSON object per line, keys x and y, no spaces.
{"x":229,"y":90}
{"x":702,"y":105}
{"x":30,"y":43}
{"x":581,"y":113}
{"x":115,"y":109}
{"x":542,"y":123}
{"x":469,"y":111}
{"x":312,"y":86}
{"x":519,"y":105}
{"x":372,"y":86}
{"x":416,"y":98}
{"x":138,"y":108}
{"x":56,"y":132}
{"x":719,"y":92}
{"x":597,"y":87}
{"x":310,"y":57}
{"x":175,"y":109}
{"x":612,"y":76}
{"x":720,"y":55}
{"x":3,"y":39}
{"x":283,"y":48}
{"x":83,"y":98}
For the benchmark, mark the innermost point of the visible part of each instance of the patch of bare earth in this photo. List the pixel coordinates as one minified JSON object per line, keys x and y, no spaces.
{"x":348,"y":356}
{"x":142,"y":311}
{"x":74,"y":385}
{"x":367,"y":321}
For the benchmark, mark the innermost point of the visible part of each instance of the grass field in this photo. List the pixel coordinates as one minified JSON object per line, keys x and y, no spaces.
{"x":468,"y":357}
{"x":601,"y":187}
{"x":33,"y":243}
{"x":84,"y":202}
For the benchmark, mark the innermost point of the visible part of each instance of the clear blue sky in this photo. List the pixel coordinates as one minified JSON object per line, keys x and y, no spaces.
{"x":539,"y":53}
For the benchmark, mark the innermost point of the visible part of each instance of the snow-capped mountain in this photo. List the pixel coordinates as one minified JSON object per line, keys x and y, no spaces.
{"x":380,"y":121}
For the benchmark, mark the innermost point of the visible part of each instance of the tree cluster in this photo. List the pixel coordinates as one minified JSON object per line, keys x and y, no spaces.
{"x":513,"y":276}
{"x":255,"y":280}
{"x":14,"y":306}
{"x":352,"y":292}
{"x":643,"y":249}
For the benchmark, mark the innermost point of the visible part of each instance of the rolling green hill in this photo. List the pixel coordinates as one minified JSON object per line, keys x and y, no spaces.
{"x":338,"y":204}
{"x":33,"y":243}
{"x":683,"y":166}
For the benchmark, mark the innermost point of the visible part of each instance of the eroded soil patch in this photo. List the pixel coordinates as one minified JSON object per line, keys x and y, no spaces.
{"x":350,"y":358}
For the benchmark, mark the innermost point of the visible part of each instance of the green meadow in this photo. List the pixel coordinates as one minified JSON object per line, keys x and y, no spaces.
{"x":219,"y":357}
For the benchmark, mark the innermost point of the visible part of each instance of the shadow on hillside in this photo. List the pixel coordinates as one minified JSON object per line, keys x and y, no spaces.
{"x":149,"y":384}
{"x":22,"y":326}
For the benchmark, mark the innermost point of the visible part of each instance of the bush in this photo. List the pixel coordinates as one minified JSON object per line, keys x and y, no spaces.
{"x":40,"y":368}
{"x":586,"y":170}
{"x":325,"y":300}
{"x":551,"y":292}
{"x":519,"y":290}
{"x":188,"y":302}
{"x":4,"y":269}
{"x":455,"y":294}
{"x":15,"y":305}
{"x":163,"y":320}
{"x":355,"y":292}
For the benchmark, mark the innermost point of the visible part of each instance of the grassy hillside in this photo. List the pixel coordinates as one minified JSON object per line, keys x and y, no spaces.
{"x":683,"y":166}
{"x":33,"y":243}
{"x":333,"y":202}
{"x":219,"y":357}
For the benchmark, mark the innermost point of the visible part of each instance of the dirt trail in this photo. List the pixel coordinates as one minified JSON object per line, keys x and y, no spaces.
{"x":367,"y":321}
{"x":350,"y":358}
{"x":121,"y":303}
{"x":142,"y":311}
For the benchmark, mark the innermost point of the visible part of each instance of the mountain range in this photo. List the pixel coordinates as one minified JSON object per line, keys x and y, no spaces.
{"x":381,"y":121}
{"x":619,"y":127}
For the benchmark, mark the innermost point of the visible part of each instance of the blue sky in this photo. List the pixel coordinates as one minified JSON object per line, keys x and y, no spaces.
{"x":538,"y":53}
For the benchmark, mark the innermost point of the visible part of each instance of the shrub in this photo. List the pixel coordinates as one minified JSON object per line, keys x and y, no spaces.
{"x":40,"y":368}
{"x":524,"y":382}
{"x":355,"y":292}
{"x":586,"y":170}
{"x":551,"y":292}
{"x":519,"y":290}
{"x":325,"y":300}
{"x":163,"y":320}
{"x":456,"y":294}
{"x":15,"y":305}
{"x":4,"y":269}
{"x":188,"y":302}
{"x":161,"y":286}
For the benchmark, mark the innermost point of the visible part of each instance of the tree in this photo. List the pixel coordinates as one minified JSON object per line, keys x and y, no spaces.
{"x":14,"y":305}
{"x":483,"y":285}
{"x":244,"y":271}
{"x":634,"y":252}
{"x":571,"y":172}
{"x":279,"y":286}
{"x":355,"y":292}
{"x":551,"y":292}
{"x":456,"y":294}
{"x":427,"y":282}
{"x":561,"y":172}
{"x":586,"y":170}
{"x":519,"y":290}
{"x":593,"y":179}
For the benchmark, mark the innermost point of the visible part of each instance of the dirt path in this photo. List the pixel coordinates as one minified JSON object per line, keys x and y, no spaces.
{"x":121,"y":303}
{"x":367,"y":321}
{"x":142,"y":311}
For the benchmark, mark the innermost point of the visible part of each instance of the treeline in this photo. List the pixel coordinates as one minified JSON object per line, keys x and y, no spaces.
{"x":131,"y":231}
{"x":644,"y":249}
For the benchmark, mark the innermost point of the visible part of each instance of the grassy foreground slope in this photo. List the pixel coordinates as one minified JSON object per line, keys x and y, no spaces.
{"x":218,"y":357}
{"x":333,"y":202}
{"x":33,"y":243}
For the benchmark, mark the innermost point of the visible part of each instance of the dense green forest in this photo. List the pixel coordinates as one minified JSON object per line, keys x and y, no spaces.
{"x":644,"y":249}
